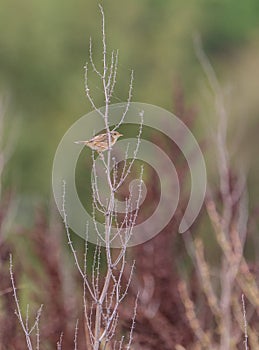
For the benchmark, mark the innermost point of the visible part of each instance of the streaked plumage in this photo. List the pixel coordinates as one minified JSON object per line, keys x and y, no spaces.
{"x":99,"y":143}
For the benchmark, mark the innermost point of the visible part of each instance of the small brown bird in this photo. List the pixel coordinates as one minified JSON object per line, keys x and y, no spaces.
{"x":99,"y":143}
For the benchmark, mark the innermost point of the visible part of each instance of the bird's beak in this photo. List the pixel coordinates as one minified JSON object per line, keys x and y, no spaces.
{"x":120,"y":134}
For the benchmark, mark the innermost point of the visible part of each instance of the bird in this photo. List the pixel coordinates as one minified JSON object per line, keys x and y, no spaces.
{"x":100,"y":142}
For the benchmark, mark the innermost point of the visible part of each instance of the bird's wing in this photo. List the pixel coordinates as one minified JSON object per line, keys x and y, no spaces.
{"x":99,"y":138}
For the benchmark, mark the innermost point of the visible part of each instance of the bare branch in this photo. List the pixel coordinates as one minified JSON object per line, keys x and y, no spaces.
{"x":76,"y":335}
{"x":245,"y":322}
{"x":59,"y":343}
{"x":25,"y":325}
{"x":71,"y":244}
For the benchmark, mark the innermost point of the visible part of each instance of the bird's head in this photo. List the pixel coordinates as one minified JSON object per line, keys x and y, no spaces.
{"x":116,"y":134}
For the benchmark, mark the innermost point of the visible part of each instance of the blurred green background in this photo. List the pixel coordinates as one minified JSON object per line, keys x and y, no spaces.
{"x":44,"y":46}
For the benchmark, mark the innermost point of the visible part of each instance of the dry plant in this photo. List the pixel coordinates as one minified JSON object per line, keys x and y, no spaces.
{"x":160,"y":321}
{"x":27,"y":330}
{"x":226,"y":322}
{"x":103,"y":291}
{"x":102,"y":299}
{"x":215,"y":310}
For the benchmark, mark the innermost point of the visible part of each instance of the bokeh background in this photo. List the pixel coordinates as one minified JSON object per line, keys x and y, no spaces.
{"x":44,"y":47}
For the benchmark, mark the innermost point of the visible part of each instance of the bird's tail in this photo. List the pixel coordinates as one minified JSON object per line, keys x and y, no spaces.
{"x":80,"y":142}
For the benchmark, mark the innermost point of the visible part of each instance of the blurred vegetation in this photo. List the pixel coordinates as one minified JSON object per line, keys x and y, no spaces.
{"x":44,"y":45}
{"x":43,"y":49}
